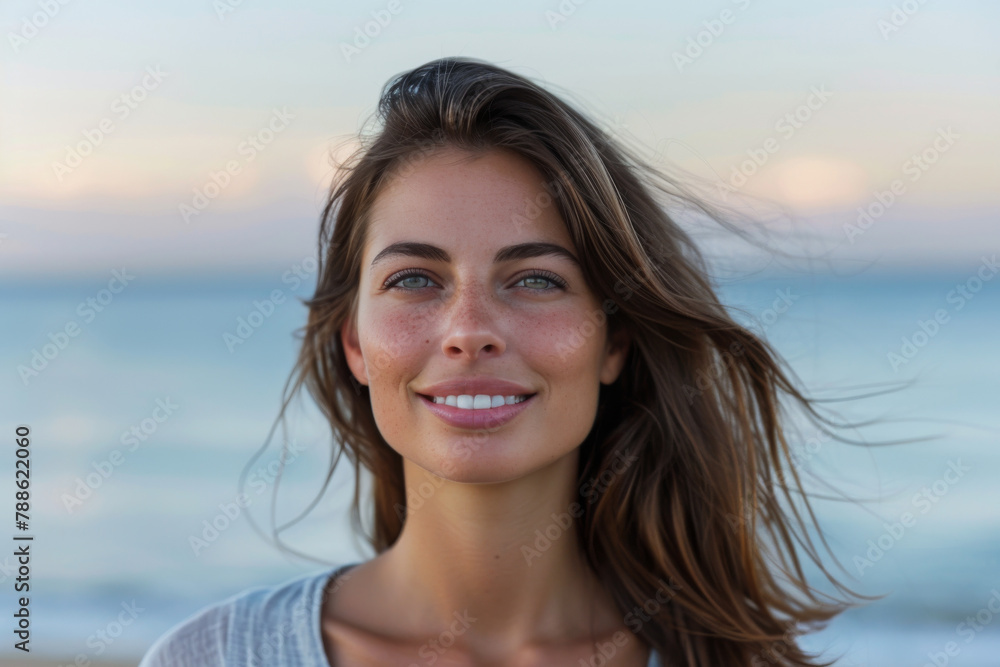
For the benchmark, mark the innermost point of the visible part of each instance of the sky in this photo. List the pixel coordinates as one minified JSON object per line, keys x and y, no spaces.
{"x":115,"y":117}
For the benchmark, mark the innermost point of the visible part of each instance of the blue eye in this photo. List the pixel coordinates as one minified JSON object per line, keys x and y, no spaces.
{"x":391,"y":282}
{"x":546,"y":276}
{"x":396,"y":278}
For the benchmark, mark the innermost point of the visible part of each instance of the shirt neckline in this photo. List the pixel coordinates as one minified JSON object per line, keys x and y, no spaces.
{"x":319,"y":596}
{"x":317,"y":625}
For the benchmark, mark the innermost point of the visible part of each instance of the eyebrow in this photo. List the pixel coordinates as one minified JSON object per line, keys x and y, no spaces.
{"x":506,"y":254}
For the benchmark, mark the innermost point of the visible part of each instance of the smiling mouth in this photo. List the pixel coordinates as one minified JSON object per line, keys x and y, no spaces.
{"x":478,"y":412}
{"x":478,"y":401}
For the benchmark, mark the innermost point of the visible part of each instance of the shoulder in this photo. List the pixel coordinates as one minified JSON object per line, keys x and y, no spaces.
{"x":259,"y":624}
{"x":198,"y":639}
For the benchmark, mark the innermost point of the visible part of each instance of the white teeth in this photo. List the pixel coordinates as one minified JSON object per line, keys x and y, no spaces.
{"x":479,"y":401}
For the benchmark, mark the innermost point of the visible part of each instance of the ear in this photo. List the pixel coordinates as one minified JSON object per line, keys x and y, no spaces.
{"x":615,"y":353}
{"x":352,"y":350}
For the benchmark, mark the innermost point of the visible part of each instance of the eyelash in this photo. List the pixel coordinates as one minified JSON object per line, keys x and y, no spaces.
{"x":390,"y":282}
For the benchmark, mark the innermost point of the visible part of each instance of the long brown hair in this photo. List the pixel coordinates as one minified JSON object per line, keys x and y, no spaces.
{"x":698,"y":404}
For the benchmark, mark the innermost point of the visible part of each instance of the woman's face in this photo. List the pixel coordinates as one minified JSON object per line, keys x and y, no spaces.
{"x":453,"y":312}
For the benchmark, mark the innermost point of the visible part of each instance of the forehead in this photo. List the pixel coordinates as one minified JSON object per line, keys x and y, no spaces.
{"x":466,"y":202}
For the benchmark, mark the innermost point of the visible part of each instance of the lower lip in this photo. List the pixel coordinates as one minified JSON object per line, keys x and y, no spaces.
{"x":487,"y":418}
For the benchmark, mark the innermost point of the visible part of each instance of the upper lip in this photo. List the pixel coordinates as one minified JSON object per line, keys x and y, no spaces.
{"x":475,"y":386}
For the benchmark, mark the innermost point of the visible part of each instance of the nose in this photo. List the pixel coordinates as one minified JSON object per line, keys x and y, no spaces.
{"x":471,"y":325}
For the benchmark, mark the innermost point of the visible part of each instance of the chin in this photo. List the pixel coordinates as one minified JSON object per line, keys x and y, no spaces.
{"x":489,"y":464}
{"x":484,"y":470}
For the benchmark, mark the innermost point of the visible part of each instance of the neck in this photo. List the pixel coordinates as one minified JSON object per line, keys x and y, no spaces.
{"x":505,"y":554}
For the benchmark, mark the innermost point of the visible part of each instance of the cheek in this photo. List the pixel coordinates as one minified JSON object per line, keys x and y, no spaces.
{"x":566,"y":342}
{"x":394,"y":343}
{"x":390,"y":361}
{"x":565,"y":348}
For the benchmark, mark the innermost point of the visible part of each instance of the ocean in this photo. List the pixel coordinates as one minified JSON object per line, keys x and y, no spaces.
{"x":146,"y":403}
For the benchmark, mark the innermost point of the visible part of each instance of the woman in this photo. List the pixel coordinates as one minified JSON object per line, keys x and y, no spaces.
{"x":576,"y":453}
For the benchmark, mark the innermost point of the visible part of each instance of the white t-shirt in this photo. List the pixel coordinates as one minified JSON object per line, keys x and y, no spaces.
{"x":266,"y":625}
